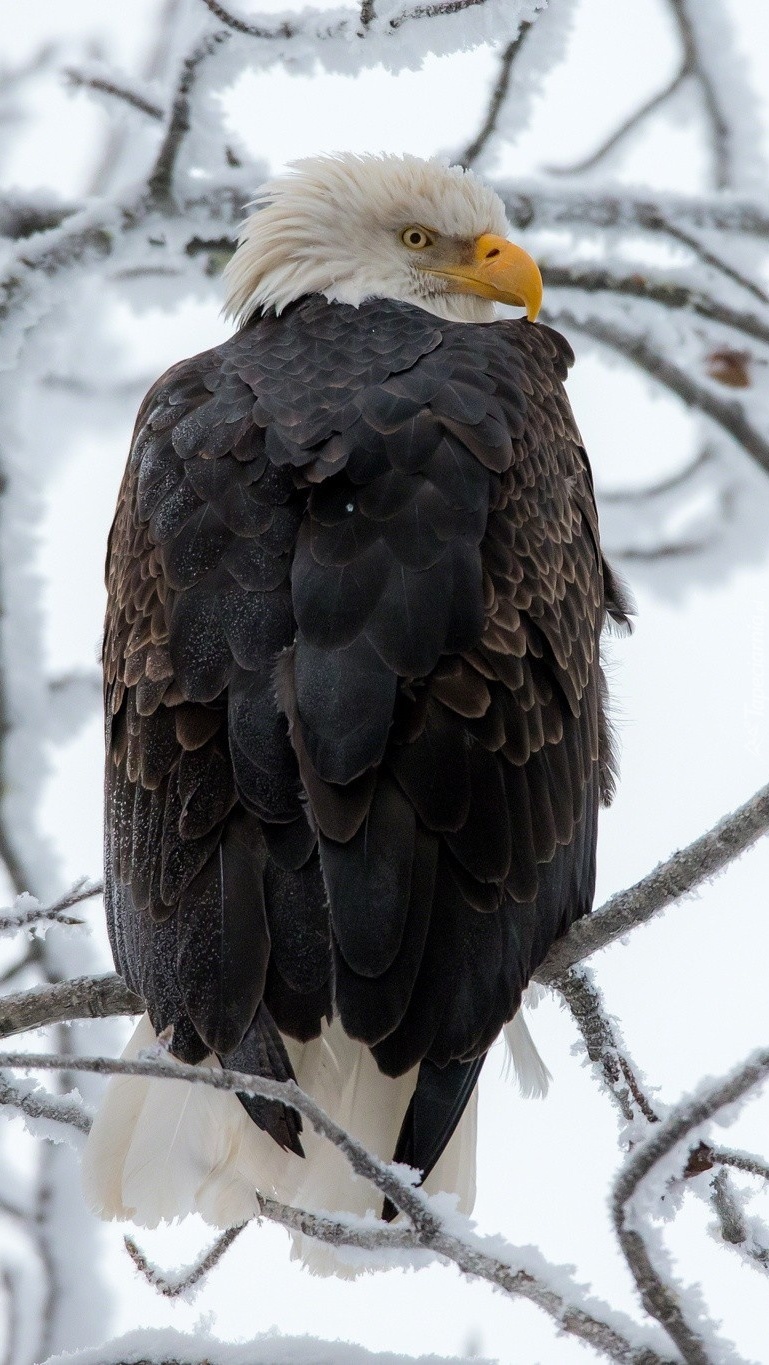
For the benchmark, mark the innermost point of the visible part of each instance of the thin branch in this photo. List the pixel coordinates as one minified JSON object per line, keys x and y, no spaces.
{"x":667,"y":293}
{"x":627,"y":126}
{"x":20,"y":917}
{"x":679,"y":876}
{"x":731,"y":1222}
{"x":657,"y":1297}
{"x":378,"y":1173}
{"x":80,"y":80}
{"x":238,"y":25}
{"x":538,"y":205}
{"x":727,"y":413}
{"x":160,"y":180}
{"x":174,"y":1287}
{"x":603,"y":1046}
{"x":716,"y":262}
{"x":716,"y":116}
{"x":37,"y":1104}
{"x":740,"y":1161}
{"x":496,"y":100}
{"x":663,"y":487}
{"x":433,"y":11}
{"x":83,"y":997}
{"x":428,"y":1231}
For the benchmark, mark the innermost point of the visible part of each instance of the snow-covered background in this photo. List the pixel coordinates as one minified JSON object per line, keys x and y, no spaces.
{"x":691,"y":686}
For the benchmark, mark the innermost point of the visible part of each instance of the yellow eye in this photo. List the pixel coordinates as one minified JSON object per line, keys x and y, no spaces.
{"x":416,"y":238}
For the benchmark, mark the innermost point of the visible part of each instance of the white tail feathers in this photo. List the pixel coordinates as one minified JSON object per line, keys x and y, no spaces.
{"x":531,"y":1073}
{"x":162,"y":1149}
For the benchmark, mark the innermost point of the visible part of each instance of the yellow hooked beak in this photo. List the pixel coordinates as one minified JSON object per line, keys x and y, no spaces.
{"x":498,"y":270}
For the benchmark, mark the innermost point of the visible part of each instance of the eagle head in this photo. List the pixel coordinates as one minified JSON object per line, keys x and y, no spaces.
{"x":397,"y":227}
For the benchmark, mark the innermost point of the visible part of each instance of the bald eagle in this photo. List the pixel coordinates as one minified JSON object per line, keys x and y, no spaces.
{"x":355,"y":715}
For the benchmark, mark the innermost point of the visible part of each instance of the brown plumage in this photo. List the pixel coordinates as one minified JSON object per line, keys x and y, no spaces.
{"x":356,"y":732}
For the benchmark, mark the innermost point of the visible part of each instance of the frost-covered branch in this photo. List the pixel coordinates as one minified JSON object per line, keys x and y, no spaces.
{"x":39,"y":1105}
{"x":496,"y":100}
{"x":679,"y":876}
{"x":666,"y":292}
{"x":604,"y":1046}
{"x":538,"y":205}
{"x":27,"y":912}
{"x":174,"y":1286}
{"x":628,"y":125}
{"x":428,"y":1229}
{"x":104,"y":85}
{"x":678,"y":1130}
{"x":726,"y":413}
{"x":161,"y":177}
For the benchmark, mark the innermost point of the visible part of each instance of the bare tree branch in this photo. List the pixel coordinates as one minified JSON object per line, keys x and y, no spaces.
{"x":37,"y":1104}
{"x":233,"y":21}
{"x":172,"y":1287}
{"x":657,"y":1296}
{"x":717,"y":262}
{"x":665,"y":292}
{"x":694,"y":65}
{"x":727,"y":413}
{"x":496,"y":101}
{"x":80,"y":80}
{"x":603,"y":1046}
{"x":679,"y":876}
{"x":627,"y":126}
{"x":160,"y":181}
{"x":541,"y":206}
{"x":84,"y":997}
{"x":26,"y":917}
{"x":428,"y":1231}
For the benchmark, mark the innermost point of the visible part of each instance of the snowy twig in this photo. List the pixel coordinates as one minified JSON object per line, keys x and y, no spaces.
{"x":496,"y":101}
{"x":679,"y":876}
{"x":174,"y":1287}
{"x":726,"y":413}
{"x":285,"y":29}
{"x":712,"y":259}
{"x":23,"y":917}
{"x":657,"y":1297}
{"x":694,"y":66}
{"x":383,"y":1176}
{"x":691,"y":68}
{"x":665,"y":292}
{"x":161,"y":177}
{"x":83,"y":81}
{"x":38,"y":1104}
{"x":740,"y":1161}
{"x":603,"y":1046}
{"x":731,"y":1222}
{"x":542,"y":206}
{"x":428,"y":1231}
{"x":627,"y":126}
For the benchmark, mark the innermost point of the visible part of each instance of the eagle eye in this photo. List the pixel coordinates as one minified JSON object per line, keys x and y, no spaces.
{"x":416,"y":238}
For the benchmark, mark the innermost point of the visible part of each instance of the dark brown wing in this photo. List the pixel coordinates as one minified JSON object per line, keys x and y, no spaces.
{"x":398,"y":512}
